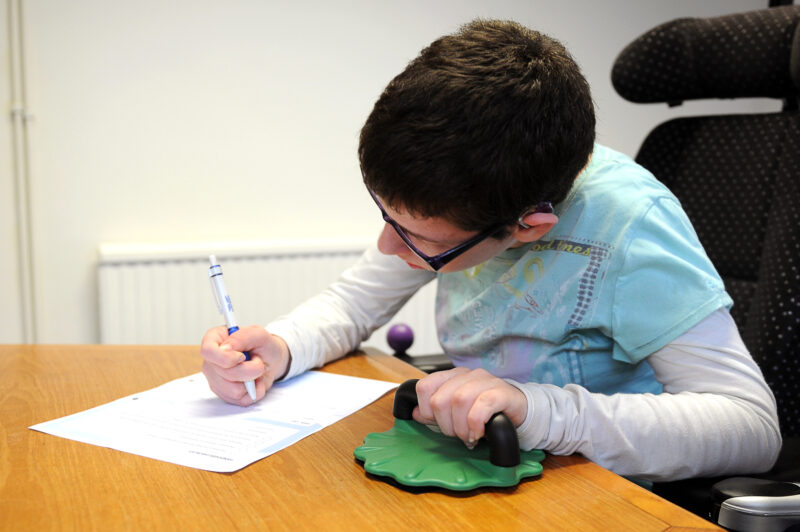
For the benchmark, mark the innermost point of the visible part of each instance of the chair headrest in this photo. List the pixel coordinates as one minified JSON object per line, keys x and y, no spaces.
{"x":753,"y":54}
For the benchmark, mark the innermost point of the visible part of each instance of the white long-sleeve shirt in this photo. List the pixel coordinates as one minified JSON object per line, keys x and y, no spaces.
{"x":716,"y":414}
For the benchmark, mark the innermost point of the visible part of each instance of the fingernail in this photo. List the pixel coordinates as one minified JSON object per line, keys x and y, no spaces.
{"x":225,"y":347}
{"x":471,"y":439}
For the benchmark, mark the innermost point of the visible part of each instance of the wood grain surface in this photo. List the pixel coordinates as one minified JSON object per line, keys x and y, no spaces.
{"x":51,"y":483}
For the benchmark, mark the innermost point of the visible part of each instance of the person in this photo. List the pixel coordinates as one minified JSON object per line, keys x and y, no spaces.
{"x":573,"y":293}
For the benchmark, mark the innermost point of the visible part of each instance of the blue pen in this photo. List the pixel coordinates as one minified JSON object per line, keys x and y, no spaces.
{"x":226,"y":309}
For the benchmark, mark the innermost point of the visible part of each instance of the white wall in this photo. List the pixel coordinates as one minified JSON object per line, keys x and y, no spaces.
{"x":196,"y":120}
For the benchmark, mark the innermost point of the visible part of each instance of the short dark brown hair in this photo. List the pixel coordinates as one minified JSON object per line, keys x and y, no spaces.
{"x":481,"y":125}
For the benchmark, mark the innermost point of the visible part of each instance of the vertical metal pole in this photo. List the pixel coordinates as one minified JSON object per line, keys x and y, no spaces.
{"x":19,"y":121}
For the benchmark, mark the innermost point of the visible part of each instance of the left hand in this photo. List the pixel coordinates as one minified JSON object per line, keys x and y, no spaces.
{"x":461,"y":401}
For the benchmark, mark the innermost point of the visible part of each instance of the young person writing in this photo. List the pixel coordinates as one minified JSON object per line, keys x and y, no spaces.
{"x":573,"y":294}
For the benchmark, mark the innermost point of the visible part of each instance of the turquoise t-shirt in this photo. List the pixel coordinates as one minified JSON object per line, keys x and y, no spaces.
{"x":620,"y":276}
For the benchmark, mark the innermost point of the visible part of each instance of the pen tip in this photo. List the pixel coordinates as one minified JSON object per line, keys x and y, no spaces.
{"x":212,"y":259}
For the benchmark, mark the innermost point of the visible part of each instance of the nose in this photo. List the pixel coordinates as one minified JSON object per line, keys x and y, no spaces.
{"x":389,"y":243}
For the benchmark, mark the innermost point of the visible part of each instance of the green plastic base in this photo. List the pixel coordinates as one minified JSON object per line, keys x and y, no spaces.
{"x":414,"y":455}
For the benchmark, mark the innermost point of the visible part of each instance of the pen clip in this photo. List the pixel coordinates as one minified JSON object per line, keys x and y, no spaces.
{"x":214,"y":290}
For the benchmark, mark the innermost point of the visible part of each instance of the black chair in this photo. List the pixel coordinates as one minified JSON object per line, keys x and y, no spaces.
{"x":738,"y":178}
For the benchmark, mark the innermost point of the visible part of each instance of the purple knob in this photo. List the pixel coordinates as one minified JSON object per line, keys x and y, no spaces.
{"x":400,"y":337}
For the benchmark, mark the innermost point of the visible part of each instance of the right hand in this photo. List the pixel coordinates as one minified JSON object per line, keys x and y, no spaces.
{"x":226,"y":370}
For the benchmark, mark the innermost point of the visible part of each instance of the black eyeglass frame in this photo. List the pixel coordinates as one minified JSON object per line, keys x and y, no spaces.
{"x":437,"y":262}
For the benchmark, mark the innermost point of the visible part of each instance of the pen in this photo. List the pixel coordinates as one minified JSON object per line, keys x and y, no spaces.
{"x":226,"y":309}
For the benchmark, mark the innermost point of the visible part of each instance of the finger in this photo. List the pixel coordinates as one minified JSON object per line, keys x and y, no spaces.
{"x":251,"y":338}
{"x":212,"y":340}
{"x":263,"y":383}
{"x":228,"y":383}
{"x":452,"y":401}
{"x":474,"y":419}
{"x":225,"y":366}
{"x":216,"y":335}
{"x":245,"y":371}
{"x":426,"y":387}
{"x":464,"y":398}
{"x":229,"y":391}
{"x":258,"y":342}
{"x":255,"y":371}
{"x":215,"y":349}
{"x":501,"y":397}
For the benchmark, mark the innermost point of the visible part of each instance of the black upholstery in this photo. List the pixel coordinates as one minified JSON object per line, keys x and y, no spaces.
{"x":737,"y":176}
{"x":735,"y":56}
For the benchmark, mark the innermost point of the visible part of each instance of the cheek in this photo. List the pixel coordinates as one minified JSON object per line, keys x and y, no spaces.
{"x":477,"y":255}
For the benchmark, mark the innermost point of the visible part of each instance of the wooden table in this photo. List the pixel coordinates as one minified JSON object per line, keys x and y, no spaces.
{"x":50,"y":483}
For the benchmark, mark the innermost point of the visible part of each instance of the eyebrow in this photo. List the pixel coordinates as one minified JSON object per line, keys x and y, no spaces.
{"x":426,"y":239}
{"x":417,"y":235}
{"x":406,"y":231}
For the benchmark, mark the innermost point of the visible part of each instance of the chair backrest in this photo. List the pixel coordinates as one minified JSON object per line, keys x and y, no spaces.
{"x":737,"y":176}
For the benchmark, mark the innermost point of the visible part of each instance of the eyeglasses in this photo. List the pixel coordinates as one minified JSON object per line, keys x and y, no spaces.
{"x":437,"y":262}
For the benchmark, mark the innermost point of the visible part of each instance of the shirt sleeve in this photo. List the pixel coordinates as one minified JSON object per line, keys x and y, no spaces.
{"x":716,"y":416}
{"x":334,"y":322}
{"x":666,"y":283}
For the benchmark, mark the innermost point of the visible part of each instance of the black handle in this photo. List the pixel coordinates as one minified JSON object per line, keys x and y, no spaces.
{"x":500,"y":431}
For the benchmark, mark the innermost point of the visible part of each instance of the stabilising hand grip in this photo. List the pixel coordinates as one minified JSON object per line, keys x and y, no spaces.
{"x":500,"y":431}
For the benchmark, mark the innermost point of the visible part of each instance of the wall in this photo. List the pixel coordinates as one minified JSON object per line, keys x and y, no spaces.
{"x":197,"y":120}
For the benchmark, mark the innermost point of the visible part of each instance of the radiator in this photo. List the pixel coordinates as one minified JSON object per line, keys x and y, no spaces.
{"x":160,"y":294}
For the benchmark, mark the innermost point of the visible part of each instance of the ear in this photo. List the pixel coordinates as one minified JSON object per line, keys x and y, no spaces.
{"x":538,"y":224}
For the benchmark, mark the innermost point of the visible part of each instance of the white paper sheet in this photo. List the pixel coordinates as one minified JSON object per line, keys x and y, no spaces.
{"x":183,"y":422}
